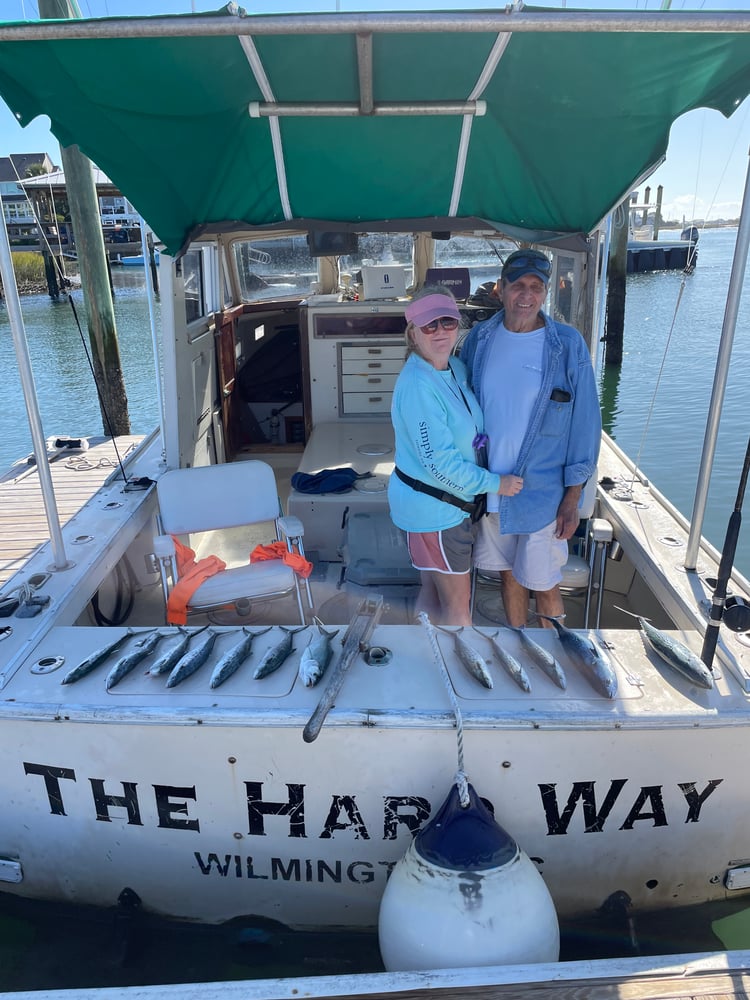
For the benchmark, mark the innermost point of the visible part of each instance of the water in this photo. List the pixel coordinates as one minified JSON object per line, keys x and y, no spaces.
{"x":68,"y":402}
{"x":56,"y":946}
{"x":672,"y":407}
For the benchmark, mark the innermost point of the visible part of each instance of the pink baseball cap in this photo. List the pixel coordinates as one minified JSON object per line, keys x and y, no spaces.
{"x":431,"y":307}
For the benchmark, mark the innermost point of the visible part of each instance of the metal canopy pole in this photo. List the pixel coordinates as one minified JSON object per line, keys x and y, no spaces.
{"x":734,"y":292}
{"x":29,"y":394}
{"x":434,"y":21}
{"x":150,"y":298}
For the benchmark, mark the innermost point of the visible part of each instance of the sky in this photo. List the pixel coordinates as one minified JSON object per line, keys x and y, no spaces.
{"x":703,"y":176}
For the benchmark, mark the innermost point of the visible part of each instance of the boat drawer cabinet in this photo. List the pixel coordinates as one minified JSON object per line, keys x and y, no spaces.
{"x":355,"y":352}
{"x":367,"y":376}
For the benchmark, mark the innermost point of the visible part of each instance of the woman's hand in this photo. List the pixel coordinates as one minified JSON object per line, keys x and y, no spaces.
{"x":510,"y":485}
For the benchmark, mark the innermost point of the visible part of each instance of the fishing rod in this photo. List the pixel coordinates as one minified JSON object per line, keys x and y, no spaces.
{"x":725,"y":569}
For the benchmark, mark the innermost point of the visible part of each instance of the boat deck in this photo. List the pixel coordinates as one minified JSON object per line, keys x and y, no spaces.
{"x":76,"y":476}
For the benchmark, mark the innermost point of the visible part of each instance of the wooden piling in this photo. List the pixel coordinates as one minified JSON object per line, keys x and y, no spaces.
{"x":92,"y":259}
{"x":50,"y":273}
{"x":657,"y":213}
{"x":617,"y":269}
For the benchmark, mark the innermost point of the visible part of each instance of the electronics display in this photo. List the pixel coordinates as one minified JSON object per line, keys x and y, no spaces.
{"x":383,"y":281}
{"x":331,"y":244}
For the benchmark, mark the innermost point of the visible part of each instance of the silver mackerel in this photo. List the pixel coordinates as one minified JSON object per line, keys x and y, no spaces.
{"x":590,"y":659}
{"x":316,"y":656}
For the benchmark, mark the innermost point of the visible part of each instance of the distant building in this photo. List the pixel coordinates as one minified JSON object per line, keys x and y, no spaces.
{"x":48,"y":193}
{"x":17,"y":209}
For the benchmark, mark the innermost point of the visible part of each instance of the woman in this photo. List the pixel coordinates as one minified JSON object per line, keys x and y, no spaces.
{"x":438,"y":424}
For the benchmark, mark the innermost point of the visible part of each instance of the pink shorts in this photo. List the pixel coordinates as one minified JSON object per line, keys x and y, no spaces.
{"x":447,"y":551}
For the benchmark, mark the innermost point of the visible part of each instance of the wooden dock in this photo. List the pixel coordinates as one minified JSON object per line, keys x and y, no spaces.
{"x":76,"y":476}
{"x":715,"y":976}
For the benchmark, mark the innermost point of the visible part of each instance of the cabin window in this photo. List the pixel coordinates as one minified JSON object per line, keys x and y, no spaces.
{"x":274,"y":268}
{"x":565,"y":279}
{"x":282,"y":267}
{"x":482,"y":255}
{"x":381,"y":248}
{"x":192,"y":275}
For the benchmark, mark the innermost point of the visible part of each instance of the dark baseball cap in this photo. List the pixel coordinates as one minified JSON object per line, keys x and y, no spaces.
{"x":523,"y":262}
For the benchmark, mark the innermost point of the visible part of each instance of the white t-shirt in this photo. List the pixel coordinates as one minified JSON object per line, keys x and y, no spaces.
{"x":511,"y":381}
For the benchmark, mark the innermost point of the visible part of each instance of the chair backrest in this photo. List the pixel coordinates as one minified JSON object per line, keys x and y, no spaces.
{"x":217,"y":496}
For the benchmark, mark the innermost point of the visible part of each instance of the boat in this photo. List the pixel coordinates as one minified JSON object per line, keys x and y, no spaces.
{"x":136,"y":260}
{"x":268,"y":798}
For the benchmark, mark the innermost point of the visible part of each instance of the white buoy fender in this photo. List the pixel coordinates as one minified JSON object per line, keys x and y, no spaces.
{"x":464,"y":894}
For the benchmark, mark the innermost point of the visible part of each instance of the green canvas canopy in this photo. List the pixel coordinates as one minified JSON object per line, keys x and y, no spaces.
{"x":368,"y":121}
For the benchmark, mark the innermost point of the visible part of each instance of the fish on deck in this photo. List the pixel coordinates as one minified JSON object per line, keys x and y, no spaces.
{"x":588,"y":657}
{"x":143,"y":648}
{"x":470,"y":658}
{"x":276,"y":655}
{"x":317,"y":655}
{"x":542,"y":658}
{"x":676,"y":655}
{"x":508,"y":662}
{"x":93,"y":661}
{"x":192,"y":660}
{"x":167,"y":660}
{"x":233,"y":659}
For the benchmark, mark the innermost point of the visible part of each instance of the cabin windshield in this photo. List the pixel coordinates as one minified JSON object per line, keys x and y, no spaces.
{"x":482,"y":255}
{"x":274,"y":267}
{"x":283,"y":267}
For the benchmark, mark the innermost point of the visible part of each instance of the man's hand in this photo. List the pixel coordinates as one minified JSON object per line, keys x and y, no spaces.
{"x":567,"y":513}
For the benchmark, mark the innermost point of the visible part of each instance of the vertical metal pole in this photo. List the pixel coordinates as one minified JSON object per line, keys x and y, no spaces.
{"x":21,"y":346}
{"x":720,"y":378}
{"x":152,"y":322}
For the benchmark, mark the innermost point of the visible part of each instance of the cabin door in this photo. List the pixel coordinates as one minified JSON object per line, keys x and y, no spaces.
{"x":226,"y":324}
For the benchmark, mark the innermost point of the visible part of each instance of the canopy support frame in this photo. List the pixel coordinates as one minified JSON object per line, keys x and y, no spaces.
{"x":729,"y":325}
{"x":261,"y":78}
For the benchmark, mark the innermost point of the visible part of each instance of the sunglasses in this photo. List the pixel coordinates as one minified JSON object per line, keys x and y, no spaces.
{"x":447,"y":322}
{"x":532,"y":261}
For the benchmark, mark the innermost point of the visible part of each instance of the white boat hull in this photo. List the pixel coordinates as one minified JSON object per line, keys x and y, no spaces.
{"x":209,"y":804}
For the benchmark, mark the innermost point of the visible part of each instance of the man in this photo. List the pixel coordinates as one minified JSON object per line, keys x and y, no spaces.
{"x":535,"y":383}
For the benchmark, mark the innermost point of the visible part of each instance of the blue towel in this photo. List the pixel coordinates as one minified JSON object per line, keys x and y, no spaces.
{"x":326,"y":481}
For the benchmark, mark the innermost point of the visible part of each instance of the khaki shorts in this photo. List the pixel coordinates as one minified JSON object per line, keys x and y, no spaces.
{"x":536,"y":560}
{"x":446,"y":551}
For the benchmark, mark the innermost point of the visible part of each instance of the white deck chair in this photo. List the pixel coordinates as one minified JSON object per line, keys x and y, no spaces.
{"x":213,"y":497}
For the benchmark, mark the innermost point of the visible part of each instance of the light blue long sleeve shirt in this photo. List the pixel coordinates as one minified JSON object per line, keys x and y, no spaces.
{"x":435,"y":426}
{"x":562,"y":440}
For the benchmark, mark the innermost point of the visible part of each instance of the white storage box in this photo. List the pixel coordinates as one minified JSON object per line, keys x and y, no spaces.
{"x":383,"y":281}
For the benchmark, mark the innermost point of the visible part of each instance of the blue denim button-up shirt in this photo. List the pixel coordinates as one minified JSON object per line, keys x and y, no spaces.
{"x":561,"y":445}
